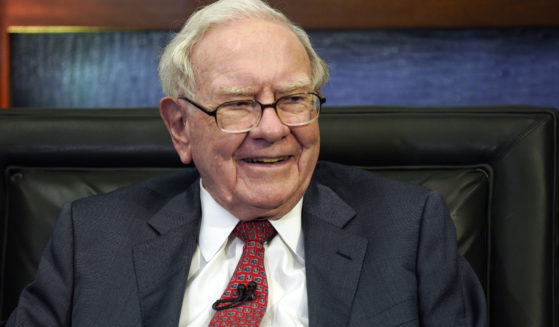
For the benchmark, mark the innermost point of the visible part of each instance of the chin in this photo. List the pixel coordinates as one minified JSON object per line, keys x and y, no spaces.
{"x":275,"y":207}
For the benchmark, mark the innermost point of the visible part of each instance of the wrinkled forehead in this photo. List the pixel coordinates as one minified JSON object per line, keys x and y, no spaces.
{"x":250,"y":51}
{"x":246,"y":34}
{"x":302,"y":83}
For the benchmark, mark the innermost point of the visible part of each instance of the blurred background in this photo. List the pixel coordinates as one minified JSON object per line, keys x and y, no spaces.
{"x":104,"y":53}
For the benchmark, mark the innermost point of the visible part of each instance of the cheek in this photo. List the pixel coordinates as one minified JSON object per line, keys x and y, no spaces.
{"x":210,"y":142}
{"x":216,"y":152}
{"x":308,"y":138}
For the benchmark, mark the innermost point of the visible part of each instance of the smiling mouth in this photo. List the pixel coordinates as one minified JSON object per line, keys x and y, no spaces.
{"x":265,"y":160}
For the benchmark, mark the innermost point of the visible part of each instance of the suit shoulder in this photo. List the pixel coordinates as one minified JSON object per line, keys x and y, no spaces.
{"x":352,"y":181}
{"x":372,"y":195}
{"x":382,"y":206}
{"x":150,"y":193}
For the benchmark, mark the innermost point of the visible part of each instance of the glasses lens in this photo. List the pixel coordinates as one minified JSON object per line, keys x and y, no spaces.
{"x":238,"y":116}
{"x":298,"y":109}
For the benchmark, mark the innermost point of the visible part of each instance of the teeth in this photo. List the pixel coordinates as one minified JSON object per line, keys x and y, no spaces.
{"x":265,"y":160}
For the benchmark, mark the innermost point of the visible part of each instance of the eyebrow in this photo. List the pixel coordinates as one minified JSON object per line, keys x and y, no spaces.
{"x":302,"y":83}
{"x":245,"y":91}
{"x":231,"y":90}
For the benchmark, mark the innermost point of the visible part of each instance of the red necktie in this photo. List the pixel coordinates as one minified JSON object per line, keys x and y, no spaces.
{"x":245,"y":299}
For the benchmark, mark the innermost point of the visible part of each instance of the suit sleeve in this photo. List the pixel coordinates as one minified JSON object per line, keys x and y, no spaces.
{"x":449,"y":291}
{"x":47,"y":300}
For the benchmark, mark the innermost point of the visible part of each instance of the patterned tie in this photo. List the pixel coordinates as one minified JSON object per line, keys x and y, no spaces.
{"x":238,"y":306}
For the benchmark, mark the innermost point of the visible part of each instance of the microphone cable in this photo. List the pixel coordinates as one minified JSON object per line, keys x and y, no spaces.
{"x":244,"y":294}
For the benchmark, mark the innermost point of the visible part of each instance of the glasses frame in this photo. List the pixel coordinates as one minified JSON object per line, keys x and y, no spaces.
{"x":263,"y":106}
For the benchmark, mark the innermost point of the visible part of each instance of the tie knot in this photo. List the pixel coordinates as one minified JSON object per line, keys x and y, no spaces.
{"x":255,"y":230}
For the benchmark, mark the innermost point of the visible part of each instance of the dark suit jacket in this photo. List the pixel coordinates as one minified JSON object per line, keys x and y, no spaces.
{"x":378,"y":253}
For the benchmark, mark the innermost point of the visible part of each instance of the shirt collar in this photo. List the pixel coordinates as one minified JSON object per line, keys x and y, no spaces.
{"x":218,"y":223}
{"x":290,"y":231}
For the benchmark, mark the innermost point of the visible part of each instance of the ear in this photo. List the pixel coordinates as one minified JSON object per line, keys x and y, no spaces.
{"x":175,"y":120}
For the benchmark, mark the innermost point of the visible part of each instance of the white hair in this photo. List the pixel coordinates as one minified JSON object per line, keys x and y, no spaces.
{"x":175,"y":67}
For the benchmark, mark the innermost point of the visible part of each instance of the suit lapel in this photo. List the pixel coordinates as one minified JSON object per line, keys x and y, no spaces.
{"x":333,"y":256}
{"x":162,"y":263}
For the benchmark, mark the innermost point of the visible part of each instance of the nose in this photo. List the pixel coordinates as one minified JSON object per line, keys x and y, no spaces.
{"x":270,"y":127}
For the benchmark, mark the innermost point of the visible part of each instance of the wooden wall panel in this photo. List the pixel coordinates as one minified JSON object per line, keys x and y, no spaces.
{"x":340,"y":14}
{"x":319,"y":14}
{"x":311,"y":14}
{"x":4,"y":59}
{"x":428,"y":67}
{"x":144,"y":14}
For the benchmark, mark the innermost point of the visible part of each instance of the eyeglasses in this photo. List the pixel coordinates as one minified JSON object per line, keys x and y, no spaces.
{"x":241,"y":116}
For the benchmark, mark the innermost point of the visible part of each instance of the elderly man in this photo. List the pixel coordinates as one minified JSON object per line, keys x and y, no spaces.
{"x":258,"y":234}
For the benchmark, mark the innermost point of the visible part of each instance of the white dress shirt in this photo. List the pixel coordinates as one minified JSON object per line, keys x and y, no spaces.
{"x":216,"y":258}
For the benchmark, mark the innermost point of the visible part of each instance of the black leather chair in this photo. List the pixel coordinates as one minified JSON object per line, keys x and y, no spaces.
{"x":496,"y":168}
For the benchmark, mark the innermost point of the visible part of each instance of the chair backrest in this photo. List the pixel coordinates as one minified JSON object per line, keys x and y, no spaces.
{"x":496,"y":168}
